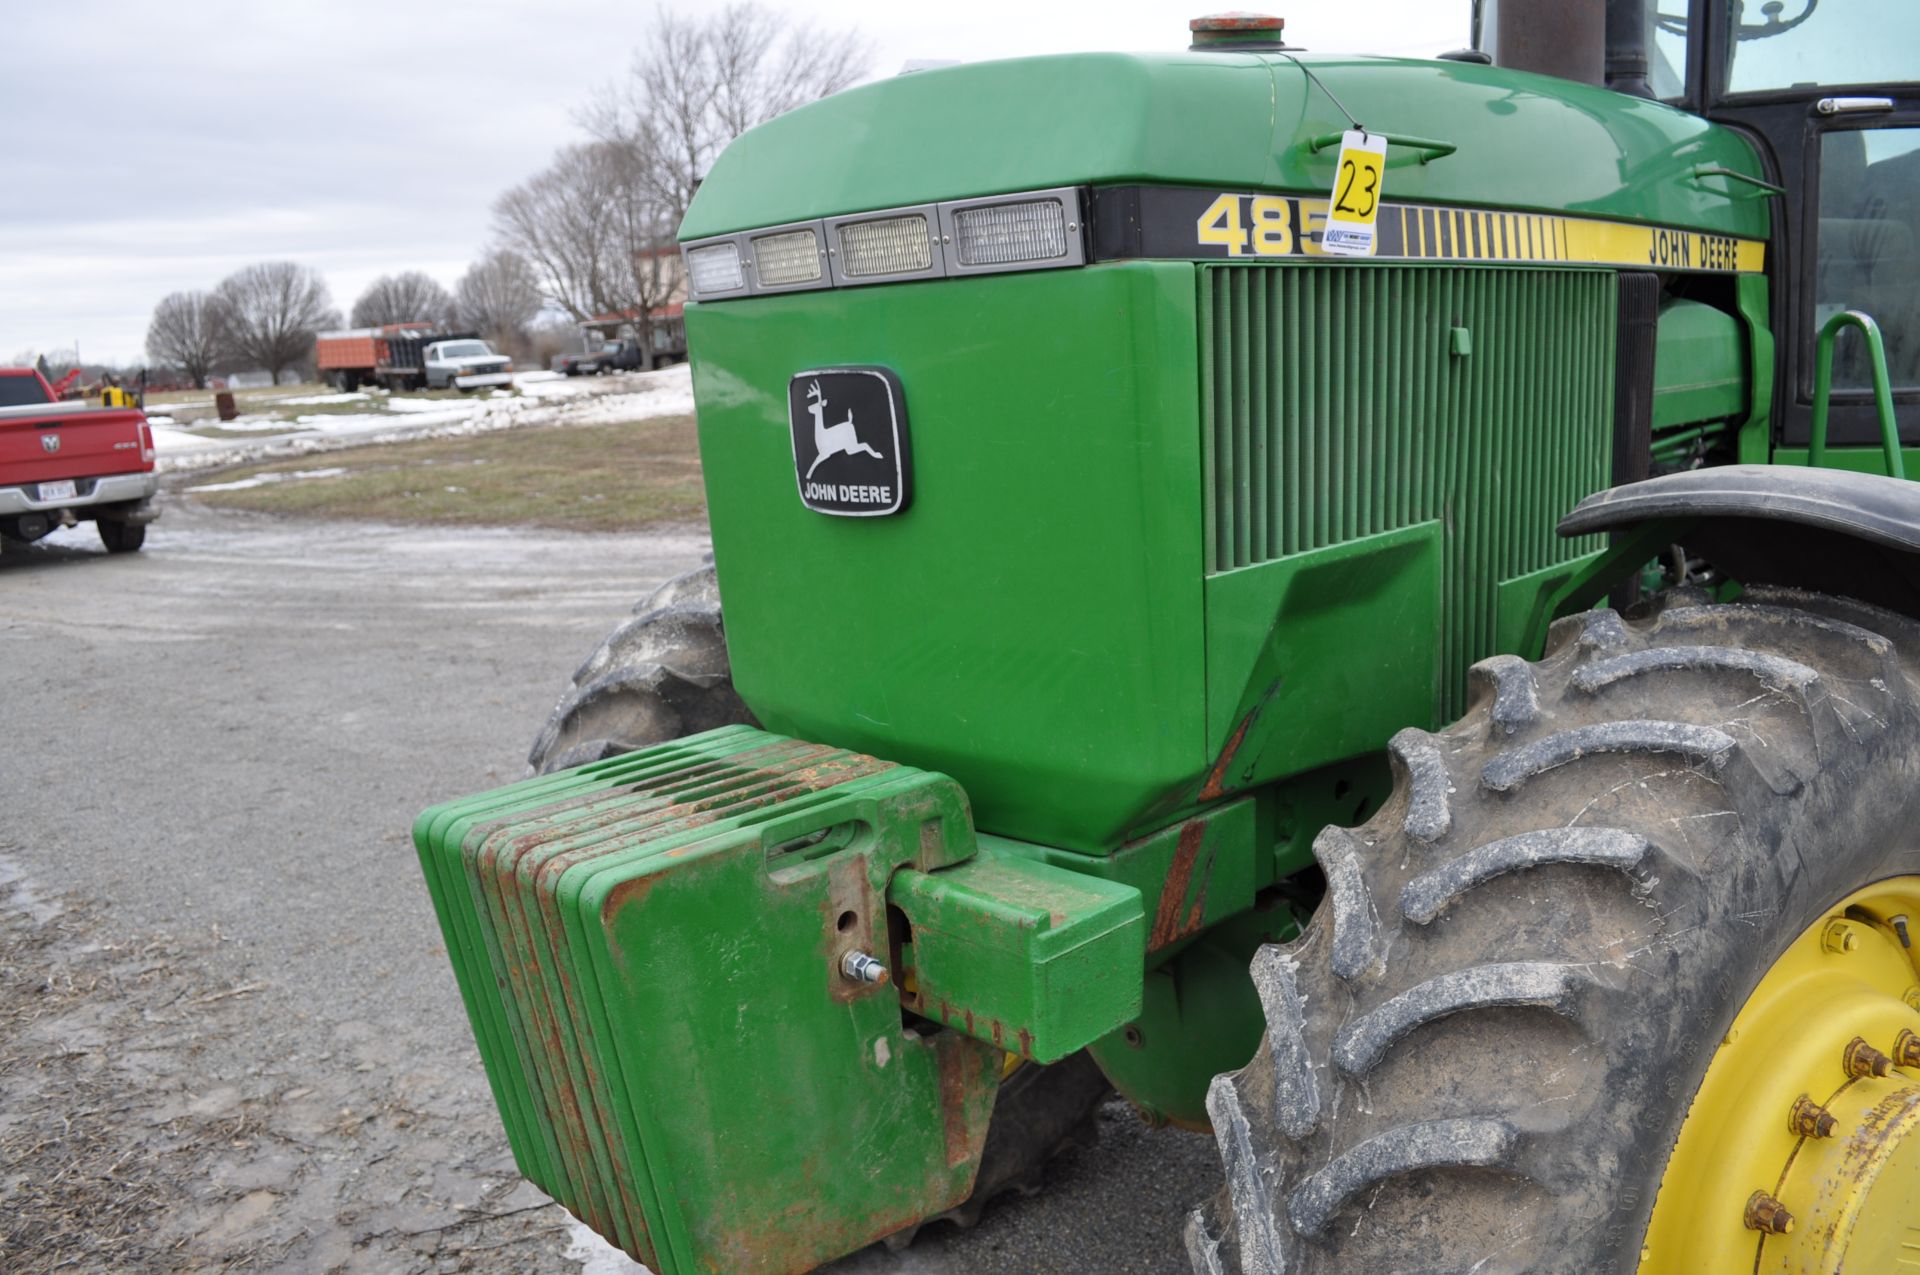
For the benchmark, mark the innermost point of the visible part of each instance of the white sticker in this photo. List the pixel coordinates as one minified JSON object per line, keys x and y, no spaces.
{"x":1356,"y":195}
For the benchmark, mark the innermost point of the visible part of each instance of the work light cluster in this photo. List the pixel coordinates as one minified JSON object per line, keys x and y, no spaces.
{"x":1034,"y":230}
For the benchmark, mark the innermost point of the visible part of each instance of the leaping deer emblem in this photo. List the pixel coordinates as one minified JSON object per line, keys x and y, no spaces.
{"x":832,"y":440}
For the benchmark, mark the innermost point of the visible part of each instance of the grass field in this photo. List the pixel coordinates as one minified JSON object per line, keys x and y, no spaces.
{"x":621,"y":477}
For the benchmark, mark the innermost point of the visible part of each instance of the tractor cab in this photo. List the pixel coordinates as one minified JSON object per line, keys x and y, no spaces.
{"x":1829,"y":90}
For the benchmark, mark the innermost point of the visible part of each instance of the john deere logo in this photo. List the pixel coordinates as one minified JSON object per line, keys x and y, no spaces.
{"x":850,"y":441}
{"x":49,"y":443}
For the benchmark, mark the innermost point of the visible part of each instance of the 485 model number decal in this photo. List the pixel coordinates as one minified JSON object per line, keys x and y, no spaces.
{"x":1174,"y":222}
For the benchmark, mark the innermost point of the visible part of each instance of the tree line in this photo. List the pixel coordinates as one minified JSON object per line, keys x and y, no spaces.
{"x":266,"y":315}
{"x":591,"y":234}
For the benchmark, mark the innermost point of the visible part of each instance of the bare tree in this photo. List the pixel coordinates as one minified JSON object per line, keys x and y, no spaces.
{"x":270,"y":313}
{"x":705,"y":80}
{"x":563,"y":222}
{"x":498,"y":296}
{"x":186,"y":332}
{"x":410,"y":297}
{"x":597,"y":225}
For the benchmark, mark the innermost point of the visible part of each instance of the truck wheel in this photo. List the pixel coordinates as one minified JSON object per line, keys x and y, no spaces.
{"x":1483,"y":1053}
{"x":121,"y":537}
{"x":665,"y":674}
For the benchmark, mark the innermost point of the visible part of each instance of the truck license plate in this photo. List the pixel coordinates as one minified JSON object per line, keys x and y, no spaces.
{"x":63,"y":490}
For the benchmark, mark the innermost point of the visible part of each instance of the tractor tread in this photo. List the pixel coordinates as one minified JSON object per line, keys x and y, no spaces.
{"x":1773,"y":671}
{"x":1364,"y":1041}
{"x":1261,"y":1251}
{"x":1296,"y":1097}
{"x":1429,"y":802}
{"x":1354,"y":921}
{"x":1702,"y":745}
{"x":1516,"y":696}
{"x":1464,"y":1143}
{"x":1429,"y":894}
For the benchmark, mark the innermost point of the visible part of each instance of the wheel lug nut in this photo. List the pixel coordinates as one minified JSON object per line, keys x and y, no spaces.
{"x":1809,"y":1119}
{"x":1841,"y":939}
{"x":1764,"y":1213}
{"x":1862,"y":1060}
{"x":1906,"y":1049}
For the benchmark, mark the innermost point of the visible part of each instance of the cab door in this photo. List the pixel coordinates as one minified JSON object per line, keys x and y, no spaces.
{"x":1830,"y":89}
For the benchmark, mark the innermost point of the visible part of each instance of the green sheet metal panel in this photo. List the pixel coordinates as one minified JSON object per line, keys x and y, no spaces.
{"x":1031,"y":624}
{"x":1226,"y":119}
{"x":1336,"y":408}
{"x":1699,"y":365}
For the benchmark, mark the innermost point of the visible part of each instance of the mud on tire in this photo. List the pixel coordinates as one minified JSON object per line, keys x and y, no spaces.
{"x":659,"y":676}
{"x":1481,"y":1051}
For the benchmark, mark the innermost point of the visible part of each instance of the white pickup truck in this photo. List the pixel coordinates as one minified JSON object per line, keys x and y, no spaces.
{"x":465,"y":364}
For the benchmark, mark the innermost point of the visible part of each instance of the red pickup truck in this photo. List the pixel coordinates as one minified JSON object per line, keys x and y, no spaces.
{"x":62,"y":463}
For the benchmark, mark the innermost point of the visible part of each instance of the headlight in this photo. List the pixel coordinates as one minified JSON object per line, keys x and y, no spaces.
{"x":788,"y":258}
{"x":1019,"y":232}
{"x":895,"y":245}
{"x":715,"y":270}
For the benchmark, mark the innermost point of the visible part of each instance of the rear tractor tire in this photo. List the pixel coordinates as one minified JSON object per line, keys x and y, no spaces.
{"x":1483,"y":1051}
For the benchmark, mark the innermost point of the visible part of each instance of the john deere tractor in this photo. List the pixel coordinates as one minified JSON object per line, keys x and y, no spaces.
{"x":1352,"y":600}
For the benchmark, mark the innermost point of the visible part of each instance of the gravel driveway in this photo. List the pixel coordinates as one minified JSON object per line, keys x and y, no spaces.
{"x":228,"y":1036}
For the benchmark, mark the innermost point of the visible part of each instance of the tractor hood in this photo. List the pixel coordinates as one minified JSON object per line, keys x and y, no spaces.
{"x":1236,"y":120}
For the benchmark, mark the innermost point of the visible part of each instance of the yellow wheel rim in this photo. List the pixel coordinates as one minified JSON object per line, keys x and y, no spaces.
{"x":1801,"y":1151}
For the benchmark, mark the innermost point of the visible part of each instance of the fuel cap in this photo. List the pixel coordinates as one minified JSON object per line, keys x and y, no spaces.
{"x":1237,"y":32}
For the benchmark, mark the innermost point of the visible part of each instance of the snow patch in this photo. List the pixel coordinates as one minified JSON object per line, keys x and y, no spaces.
{"x":595,"y":1255}
{"x":262,"y":480}
{"x":308,"y":400}
{"x":550,"y":400}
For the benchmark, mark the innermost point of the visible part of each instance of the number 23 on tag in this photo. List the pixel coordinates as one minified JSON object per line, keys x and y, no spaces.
{"x":1356,"y":195}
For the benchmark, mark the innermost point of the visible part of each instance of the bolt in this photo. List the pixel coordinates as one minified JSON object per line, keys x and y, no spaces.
{"x":1764,"y":1213}
{"x":1862,"y":1060}
{"x":1912,"y":998}
{"x":1906,"y":1049}
{"x":1840,"y":938}
{"x":1900,"y":928}
{"x":1809,"y":1119}
{"x":861,"y":968}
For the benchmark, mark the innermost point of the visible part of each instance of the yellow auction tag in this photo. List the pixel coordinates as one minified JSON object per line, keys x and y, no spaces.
{"x":1356,"y":194}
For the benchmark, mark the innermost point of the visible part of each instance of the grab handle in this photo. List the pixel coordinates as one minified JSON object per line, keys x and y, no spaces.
{"x":1427,"y":146}
{"x":1882,"y":391}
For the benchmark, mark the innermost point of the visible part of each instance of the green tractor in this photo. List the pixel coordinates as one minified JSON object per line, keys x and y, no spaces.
{"x":1122,"y":470}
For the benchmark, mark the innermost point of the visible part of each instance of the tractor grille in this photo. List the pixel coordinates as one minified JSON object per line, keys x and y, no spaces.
{"x":1335,"y":407}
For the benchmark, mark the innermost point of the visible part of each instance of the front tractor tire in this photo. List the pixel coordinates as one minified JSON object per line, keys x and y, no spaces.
{"x":658,"y":676}
{"x":1482,"y":1052}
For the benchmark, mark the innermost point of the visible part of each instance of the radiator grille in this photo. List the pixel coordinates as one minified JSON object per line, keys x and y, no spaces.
{"x":1334,"y":408}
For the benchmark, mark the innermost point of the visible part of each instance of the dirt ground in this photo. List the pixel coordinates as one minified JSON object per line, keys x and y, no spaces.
{"x":229,"y":1039}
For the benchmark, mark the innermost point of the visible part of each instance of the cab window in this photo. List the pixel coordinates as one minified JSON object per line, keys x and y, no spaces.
{"x":1789,"y":44}
{"x":1868,"y":247}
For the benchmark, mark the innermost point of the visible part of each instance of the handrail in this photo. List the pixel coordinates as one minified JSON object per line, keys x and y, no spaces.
{"x":1431,"y":149}
{"x":1882,"y":390}
{"x":1703,"y":170}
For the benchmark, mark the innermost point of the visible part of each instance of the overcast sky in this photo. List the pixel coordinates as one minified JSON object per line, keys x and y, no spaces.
{"x":150,"y":148}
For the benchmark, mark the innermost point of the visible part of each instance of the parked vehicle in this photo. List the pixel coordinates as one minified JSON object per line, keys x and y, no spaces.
{"x":1396,"y":645}
{"x":612,"y":356}
{"x":62,"y":463}
{"x":409,"y":356}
